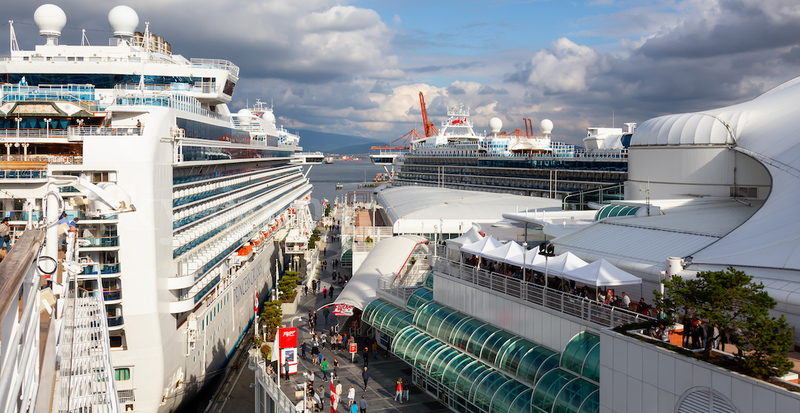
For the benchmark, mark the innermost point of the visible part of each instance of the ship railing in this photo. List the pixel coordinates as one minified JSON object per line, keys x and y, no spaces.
{"x":174,"y":100}
{"x":583,"y":308}
{"x":32,"y":160}
{"x":81,"y":95}
{"x":18,"y":135}
{"x":215,"y":64}
{"x":19,"y":308}
{"x":393,"y":286}
{"x":103,"y":131}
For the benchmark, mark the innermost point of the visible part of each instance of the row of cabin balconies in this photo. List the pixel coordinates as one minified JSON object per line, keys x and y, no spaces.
{"x":186,"y":195}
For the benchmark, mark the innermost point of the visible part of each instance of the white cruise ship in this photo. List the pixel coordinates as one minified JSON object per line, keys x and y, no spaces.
{"x":181,"y":273}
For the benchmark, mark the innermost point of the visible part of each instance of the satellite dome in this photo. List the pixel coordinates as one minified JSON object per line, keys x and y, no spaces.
{"x":123,"y":21}
{"x":50,"y":19}
{"x":546,"y":126}
{"x":269,"y":117}
{"x":495,"y":124}
{"x":244,"y":116}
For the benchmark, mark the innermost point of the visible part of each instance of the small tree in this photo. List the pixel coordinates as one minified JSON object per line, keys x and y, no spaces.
{"x":327,"y":210}
{"x":272,"y":317}
{"x":288,"y":286}
{"x":729,"y":299}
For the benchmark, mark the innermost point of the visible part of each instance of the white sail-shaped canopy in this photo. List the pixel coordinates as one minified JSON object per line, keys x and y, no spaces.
{"x":487,"y":244}
{"x":602,"y":273}
{"x":508,"y":253}
{"x":561,"y":264}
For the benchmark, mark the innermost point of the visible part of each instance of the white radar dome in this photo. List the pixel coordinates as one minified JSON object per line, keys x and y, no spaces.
{"x":123,"y":21}
{"x":269,"y":117}
{"x":244,"y":116}
{"x":495,"y":125}
{"x":50,"y":19}
{"x":546,"y":126}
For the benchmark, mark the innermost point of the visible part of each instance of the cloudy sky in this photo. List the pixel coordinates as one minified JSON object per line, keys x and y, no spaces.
{"x":357,"y":67}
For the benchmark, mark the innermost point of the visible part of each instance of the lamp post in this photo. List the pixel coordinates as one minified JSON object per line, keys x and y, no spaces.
{"x":524,"y":258}
{"x":47,"y":126}
{"x":18,"y":119}
{"x":548,"y":251}
{"x":662,"y":275}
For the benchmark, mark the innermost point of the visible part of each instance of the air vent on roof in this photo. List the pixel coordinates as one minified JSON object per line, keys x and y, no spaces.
{"x":704,"y":400}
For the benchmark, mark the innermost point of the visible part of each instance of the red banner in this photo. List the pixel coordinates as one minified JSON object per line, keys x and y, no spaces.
{"x":287,"y":337}
{"x":342,"y":309}
{"x":353,"y":347}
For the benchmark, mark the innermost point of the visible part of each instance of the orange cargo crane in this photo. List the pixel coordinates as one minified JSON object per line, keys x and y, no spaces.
{"x":402,"y":143}
{"x":430,"y":130}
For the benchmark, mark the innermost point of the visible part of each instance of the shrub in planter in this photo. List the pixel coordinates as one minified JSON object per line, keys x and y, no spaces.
{"x":272,"y":317}
{"x":288,"y":287}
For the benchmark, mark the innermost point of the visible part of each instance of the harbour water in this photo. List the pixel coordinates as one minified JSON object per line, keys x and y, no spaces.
{"x":349,"y":174}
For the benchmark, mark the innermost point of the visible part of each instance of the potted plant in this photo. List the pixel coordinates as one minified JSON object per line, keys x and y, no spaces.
{"x":368,"y":240}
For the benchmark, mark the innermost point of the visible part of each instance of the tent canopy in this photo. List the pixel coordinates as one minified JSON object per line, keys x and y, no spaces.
{"x":602,"y":272}
{"x":507,"y":253}
{"x":479,"y":248}
{"x":470,"y":237}
{"x":560,"y":265}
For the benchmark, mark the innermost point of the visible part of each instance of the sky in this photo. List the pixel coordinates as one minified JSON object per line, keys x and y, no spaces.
{"x":357,"y":67}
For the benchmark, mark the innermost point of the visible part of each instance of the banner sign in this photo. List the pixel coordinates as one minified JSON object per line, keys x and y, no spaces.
{"x":342,"y":310}
{"x":353,"y":347}
{"x":287,"y":337}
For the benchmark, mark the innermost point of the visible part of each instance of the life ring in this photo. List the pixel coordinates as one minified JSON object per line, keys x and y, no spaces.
{"x":67,"y":161}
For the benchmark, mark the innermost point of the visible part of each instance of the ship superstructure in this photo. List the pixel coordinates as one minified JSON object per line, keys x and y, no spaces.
{"x":519,"y":163}
{"x":181,"y":274}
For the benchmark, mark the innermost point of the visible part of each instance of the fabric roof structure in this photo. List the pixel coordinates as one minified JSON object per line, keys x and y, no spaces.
{"x":602,"y":272}
{"x":386,"y":258}
{"x":562,"y":264}
{"x":507,"y":253}
{"x":470,"y":237}
{"x":480,"y":247}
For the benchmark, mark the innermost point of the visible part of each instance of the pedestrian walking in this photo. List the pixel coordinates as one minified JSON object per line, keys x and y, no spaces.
{"x":319,"y":358}
{"x":351,"y":395}
{"x":338,"y":392}
{"x":353,"y":408}
{"x":286,"y":369}
{"x":303,"y":349}
{"x":398,"y":394}
{"x":365,"y":376}
{"x":325,"y":295}
{"x":366,"y":357}
{"x":325,"y":313}
{"x":375,"y":349}
{"x":311,"y":378}
{"x":324,"y":339}
{"x":335,"y":369}
{"x":363,"y":404}
{"x":321,"y":398}
{"x":405,"y":388}
{"x":331,"y":292}
{"x":324,"y":369}
{"x":314,"y":285}
{"x":305,"y":290}
{"x":314,"y":352}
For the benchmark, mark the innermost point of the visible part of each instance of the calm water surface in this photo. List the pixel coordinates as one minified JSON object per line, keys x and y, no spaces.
{"x":349,"y":174}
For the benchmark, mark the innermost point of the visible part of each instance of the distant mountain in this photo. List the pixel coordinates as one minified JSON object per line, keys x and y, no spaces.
{"x":335,"y":143}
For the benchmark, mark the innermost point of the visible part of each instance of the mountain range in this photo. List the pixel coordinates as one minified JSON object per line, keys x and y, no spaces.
{"x":313,"y":141}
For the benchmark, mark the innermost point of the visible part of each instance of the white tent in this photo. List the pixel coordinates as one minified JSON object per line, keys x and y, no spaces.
{"x":532,"y":259}
{"x":560,"y":265}
{"x":470,"y":237}
{"x":508,"y":253}
{"x":484,"y":245}
{"x":602,"y":272}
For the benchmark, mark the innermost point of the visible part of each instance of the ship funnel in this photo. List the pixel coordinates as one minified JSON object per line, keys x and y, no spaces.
{"x":50,"y":19}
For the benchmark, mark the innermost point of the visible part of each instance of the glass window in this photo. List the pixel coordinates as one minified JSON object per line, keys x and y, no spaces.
{"x":122,"y":374}
{"x":463,"y":332}
{"x":429,"y":281}
{"x":426,"y":350}
{"x":485,"y":391}
{"x":454,"y":369}
{"x":576,"y":351}
{"x":403,"y":338}
{"x":544,"y":395}
{"x":414,"y":345}
{"x":468,"y":376}
{"x":419,"y":297}
{"x":493,"y":345}
{"x":505,"y":395}
{"x":424,"y":313}
{"x":572,"y":396}
{"x":591,"y":404}
{"x":479,"y":337}
{"x":591,"y":367}
{"x":531,"y":362}
{"x":439,"y":361}
{"x":447,"y":325}
{"x":398,"y":322}
{"x":512,"y":353}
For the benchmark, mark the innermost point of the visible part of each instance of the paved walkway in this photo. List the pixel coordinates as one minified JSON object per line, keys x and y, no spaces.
{"x":238,"y":395}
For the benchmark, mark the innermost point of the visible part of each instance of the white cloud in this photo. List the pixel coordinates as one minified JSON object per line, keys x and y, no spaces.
{"x":562,"y":68}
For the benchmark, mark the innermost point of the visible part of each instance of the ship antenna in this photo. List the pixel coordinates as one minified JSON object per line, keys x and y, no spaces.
{"x":13,"y":42}
{"x":84,"y":38}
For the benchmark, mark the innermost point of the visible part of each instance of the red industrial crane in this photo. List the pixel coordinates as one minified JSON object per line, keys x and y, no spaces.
{"x":430,"y":130}
{"x":402,"y":143}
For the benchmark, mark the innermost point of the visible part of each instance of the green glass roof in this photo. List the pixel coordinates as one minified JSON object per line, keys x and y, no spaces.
{"x":548,"y":388}
{"x":573,"y":395}
{"x":536,"y":360}
{"x":429,"y":280}
{"x":573,"y":358}
{"x":504,"y":397}
{"x":610,"y":211}
{"x":418,"y":298}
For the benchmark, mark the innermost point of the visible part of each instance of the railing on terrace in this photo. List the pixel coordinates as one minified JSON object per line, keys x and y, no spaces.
{"x":394,"y":287}
{"x":26,"y":134}
{"x":215,"y":64}
{"x":199,"y":87}
{"x":100,"y":242}
{"x":80,"y":95}
{"x":174,"y":100}
{"x":103,"y":268}
{"x":21,"y":215}
{"x":38,"y":159}
{"x":376,"y":233}
{"x":283,"y":404}
{"x":103,"y":130}
{"x":583,"y":308}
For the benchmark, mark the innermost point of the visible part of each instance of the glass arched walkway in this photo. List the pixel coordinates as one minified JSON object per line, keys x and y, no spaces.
{"x":476,"y":367}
